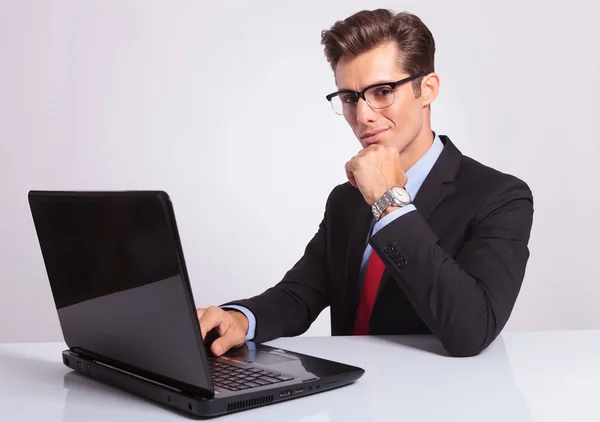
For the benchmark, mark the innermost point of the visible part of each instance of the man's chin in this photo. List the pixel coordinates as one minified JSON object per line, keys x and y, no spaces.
{"x":381,"y":143}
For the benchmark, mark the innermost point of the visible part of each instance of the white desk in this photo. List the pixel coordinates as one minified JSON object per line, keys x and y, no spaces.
{"x":536,"y":376}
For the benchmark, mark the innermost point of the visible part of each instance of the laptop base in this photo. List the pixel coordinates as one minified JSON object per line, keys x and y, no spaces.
{"x":194,"y":405}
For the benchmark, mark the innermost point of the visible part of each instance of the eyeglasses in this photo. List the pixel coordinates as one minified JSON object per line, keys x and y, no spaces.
{"x":377,"y":96}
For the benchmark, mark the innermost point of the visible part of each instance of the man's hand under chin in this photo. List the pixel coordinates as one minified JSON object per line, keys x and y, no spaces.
{"x":374,"y":170}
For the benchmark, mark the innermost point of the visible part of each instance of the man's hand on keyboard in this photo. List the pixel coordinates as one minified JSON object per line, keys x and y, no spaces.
{"x":231,"y":327}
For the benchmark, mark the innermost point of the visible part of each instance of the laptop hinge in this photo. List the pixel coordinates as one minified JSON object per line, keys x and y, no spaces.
{"x":139,"y":377}
{"x":99,"y":361}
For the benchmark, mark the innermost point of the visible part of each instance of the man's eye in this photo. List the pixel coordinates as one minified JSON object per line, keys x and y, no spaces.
{"x":349,"y":99}
{"x":383,"y":91}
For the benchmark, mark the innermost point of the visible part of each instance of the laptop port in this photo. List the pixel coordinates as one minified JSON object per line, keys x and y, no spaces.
{"x":285,"y":393}
{"x":298,"y":390}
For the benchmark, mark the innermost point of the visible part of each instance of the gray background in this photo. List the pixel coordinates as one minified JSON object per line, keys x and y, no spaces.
{"x":222,"y":105}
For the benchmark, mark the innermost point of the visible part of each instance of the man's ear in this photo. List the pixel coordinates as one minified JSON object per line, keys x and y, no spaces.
{"x":430,"y":87}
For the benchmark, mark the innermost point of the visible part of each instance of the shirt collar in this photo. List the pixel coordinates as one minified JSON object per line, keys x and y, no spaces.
{"x":418,"y":172}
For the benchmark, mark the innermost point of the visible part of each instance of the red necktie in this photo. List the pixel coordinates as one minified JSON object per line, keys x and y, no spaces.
{"x":371,"y":283}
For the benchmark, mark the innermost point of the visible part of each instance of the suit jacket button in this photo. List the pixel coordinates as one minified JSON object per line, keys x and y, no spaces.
{"x":403,"y":260}
{"x":387,"y":249}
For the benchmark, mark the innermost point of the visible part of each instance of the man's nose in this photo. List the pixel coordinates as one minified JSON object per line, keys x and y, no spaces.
{"x":364,"y":112}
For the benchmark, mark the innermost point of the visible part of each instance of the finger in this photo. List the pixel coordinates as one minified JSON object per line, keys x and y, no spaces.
{"x":352,"y":180}
{"x":199,"y":313}
{"x":350,"y":173}
{"x":212,"y":318}
{"x":231,"y":338}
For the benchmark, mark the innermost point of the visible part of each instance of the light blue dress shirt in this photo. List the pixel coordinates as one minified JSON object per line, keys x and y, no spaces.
{"x":415,"y":175}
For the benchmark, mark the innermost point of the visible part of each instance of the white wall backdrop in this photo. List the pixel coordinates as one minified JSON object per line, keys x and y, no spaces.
{"x":222,"y":105}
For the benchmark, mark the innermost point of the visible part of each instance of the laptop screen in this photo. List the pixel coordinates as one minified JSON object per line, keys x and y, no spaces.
{"x":116,"y":272}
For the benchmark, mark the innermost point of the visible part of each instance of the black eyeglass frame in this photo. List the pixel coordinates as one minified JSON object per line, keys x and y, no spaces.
{"x":361,"y":94}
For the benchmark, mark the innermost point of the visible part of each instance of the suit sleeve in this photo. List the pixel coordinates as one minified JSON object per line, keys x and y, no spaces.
{"x":291,"y":306}
{"x":465,"y":300}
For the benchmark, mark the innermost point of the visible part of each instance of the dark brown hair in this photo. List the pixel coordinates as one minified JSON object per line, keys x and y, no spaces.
{"x":369,"y":29}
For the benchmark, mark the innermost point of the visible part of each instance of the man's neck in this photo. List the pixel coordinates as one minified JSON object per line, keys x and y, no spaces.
{"x":417,"y":148}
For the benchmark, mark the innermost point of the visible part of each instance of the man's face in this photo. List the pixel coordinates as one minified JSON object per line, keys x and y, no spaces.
{"x":398,"y":124}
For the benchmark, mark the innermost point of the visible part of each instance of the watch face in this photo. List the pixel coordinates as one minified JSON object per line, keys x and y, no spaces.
{"x":401,"y":195}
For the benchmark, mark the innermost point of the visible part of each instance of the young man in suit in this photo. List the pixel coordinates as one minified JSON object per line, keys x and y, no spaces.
{"x":421,"y":239}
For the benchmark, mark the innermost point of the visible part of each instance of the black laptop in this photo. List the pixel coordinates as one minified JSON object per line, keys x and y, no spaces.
{"x":119,"y":281}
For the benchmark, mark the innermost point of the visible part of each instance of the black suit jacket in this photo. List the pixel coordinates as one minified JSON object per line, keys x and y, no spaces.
{"x":454,"y":267}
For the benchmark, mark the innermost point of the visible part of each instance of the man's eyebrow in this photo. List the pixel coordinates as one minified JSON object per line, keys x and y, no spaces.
{"x":381,"y":81}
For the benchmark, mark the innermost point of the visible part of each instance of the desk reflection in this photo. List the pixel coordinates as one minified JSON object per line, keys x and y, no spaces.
{"x":426,"y":386}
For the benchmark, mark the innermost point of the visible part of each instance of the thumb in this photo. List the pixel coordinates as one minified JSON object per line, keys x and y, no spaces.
{"x":222,"y":344}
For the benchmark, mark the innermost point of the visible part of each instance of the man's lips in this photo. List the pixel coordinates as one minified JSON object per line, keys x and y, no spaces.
{"x":373,"y":136}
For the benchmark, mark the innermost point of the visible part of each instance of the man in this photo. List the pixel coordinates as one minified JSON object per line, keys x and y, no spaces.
{"x":421,"y":239}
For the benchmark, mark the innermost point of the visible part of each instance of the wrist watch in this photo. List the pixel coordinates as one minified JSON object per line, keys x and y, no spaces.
{"x":394,"y":197}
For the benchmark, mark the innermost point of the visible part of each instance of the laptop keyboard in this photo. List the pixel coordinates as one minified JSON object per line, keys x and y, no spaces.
{"x":231,"y":377}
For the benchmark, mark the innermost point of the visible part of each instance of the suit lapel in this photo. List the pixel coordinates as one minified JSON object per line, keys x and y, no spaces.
{"x":430,"y":195}
{"x":438,"y":182}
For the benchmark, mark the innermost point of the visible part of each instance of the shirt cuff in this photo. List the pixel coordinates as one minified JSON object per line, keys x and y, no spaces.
{"x":392,"y":216}
{"x":249,"y":315}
